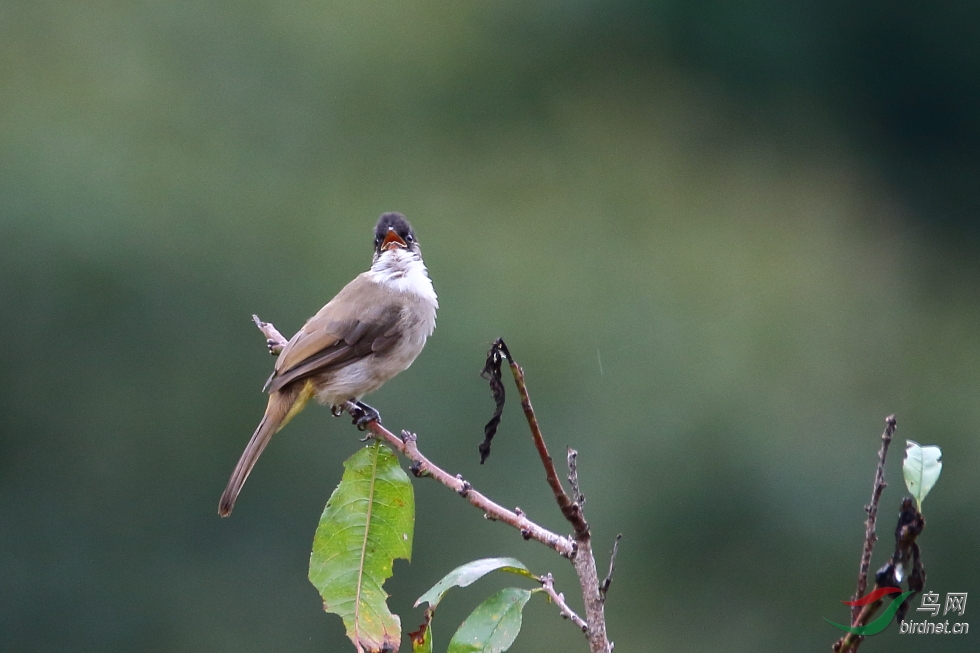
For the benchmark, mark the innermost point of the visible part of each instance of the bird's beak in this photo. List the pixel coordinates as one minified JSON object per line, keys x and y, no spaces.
{"x":392,"y":239}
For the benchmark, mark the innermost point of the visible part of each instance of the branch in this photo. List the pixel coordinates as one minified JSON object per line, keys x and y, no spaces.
{"x":273,"y":339}
{"x":570,"y":509}
{"x":407,"y":445}
{"x":583,"y":559}
{"x":572,"y":459}
{"x":548,"y":585}
{"x":870,"y":537}
{"x":422,"y":466}
{"x":905,"y":562}
{"x":604,"y":588}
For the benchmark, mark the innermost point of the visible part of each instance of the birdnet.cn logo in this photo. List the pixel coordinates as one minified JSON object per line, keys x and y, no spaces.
{"x":954,"y":605}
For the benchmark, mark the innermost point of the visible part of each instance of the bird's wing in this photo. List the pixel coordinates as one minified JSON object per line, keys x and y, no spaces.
{"x":330,"y":340}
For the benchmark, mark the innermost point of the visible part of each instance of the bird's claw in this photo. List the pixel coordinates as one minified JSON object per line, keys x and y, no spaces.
{"x":362,"y":415}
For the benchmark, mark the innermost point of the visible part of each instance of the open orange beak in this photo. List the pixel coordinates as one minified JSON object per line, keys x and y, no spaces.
{"x":392,"y":239}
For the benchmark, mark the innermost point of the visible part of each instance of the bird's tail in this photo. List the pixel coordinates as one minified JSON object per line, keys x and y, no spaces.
{"x":283,"y":405}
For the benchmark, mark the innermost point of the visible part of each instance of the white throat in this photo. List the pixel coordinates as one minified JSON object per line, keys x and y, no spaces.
{"x":403,"y":271}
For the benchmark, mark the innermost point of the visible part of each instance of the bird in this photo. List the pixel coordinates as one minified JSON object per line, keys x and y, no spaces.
{"x":371,"y":331}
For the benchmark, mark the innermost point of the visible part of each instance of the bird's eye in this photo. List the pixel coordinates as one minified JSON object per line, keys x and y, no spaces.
{"x":410,"y":238}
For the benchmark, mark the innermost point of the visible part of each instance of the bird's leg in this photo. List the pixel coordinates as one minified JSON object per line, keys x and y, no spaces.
{"x":362,"y":414}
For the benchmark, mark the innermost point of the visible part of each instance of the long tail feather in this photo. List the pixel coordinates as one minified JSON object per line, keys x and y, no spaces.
{"x":282,"y":406}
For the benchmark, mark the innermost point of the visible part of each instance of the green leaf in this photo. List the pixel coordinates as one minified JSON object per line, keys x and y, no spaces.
{"x":921,"y":469}
{"x":367,"y":523}
{"x":494,"y":625}
{"x":469,"y":573}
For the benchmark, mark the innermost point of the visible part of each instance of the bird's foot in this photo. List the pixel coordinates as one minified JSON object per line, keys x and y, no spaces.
{"x":362,"y":414}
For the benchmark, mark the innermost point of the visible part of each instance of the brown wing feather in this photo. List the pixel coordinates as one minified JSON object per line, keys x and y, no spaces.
{"x":328,"y":342}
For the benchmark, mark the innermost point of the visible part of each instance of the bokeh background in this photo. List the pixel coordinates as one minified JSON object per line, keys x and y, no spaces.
{"x":725,"y":240}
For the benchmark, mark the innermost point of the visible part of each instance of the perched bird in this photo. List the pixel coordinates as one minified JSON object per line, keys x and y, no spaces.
{"x":372,"y":330}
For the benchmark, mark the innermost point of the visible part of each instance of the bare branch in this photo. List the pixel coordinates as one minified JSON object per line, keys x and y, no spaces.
{"x":273,"y":339}
{"x":577,"y":495}
{"x":571,"y":510}
{"x":583,"y":559}
{"x":870,"y":537}
{"x":604,"y":588}
{"x":906,"y":561}
{"x":407,"y":445}
{"x":548,"y":585}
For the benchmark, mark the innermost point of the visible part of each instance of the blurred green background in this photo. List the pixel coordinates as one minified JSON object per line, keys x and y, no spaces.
{"x":725,"y":240}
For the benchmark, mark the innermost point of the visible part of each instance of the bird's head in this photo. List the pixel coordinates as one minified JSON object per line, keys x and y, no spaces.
{"x":393,"y":235}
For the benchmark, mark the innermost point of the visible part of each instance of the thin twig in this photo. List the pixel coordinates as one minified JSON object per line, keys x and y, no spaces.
{"x":571,"y":510}
{"x":577,"y":495}
{"x":548,"y":585}
{"x":273,"y":339}
{"x":870,"y":537}
{"x":583,"y":559}
{"x":604,"y":587}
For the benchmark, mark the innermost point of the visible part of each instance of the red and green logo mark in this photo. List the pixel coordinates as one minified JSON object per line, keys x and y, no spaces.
{"x":881,"y":622}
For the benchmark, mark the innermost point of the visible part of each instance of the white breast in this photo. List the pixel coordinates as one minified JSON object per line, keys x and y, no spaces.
{"x":402,"y":272}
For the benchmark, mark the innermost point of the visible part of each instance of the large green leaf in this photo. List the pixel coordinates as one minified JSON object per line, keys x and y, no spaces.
{"x":367,"y":523}
{"x":469,"y":573}
{"x":494,"y":625}
{"x":921,"y":468}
